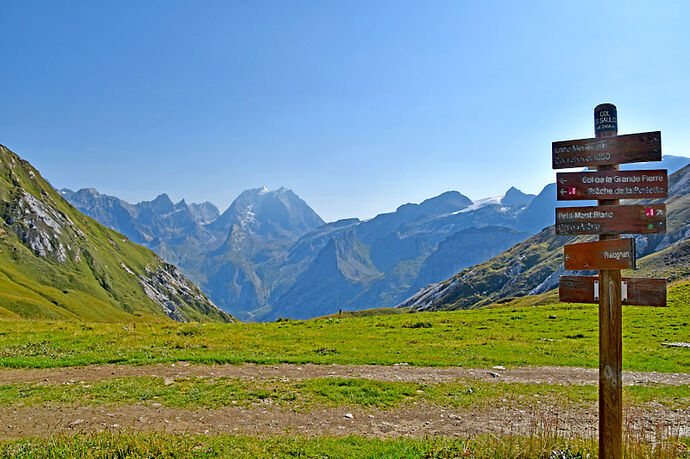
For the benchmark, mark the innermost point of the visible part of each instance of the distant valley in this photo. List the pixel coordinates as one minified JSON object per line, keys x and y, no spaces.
{"x":269,"y":255}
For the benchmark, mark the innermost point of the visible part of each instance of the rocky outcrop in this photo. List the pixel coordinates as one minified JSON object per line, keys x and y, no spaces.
{"x":58,"y":263}
{"x":172,"y":291}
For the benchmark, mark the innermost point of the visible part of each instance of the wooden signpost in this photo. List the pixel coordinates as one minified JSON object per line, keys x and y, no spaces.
{"x":614,"y":254}
{"x":634,"y":291}
{"x":610,"y":254}
{"x":621,"y":149}
{"x":573,"y":186}
{"x":611,"y":219}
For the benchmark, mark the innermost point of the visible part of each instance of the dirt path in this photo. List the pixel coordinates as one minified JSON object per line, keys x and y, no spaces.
{"x":413,"y":420}
{"x":552,"y":375}
{"x":416,"y":419}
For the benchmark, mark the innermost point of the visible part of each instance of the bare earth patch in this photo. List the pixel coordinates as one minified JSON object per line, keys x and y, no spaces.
{"x":404,"y":373}
{"x":413,"y":421}
{"x":417,"y":419}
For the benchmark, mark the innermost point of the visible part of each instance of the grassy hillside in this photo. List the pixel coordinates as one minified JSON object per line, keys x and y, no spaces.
{"x":672,"y":263}
{"x":552,"y":334}
{"x":56,"y":263}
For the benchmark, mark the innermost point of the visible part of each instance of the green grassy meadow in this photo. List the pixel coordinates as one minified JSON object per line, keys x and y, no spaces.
{"x":211,"y":393}
{"x":531,"y":331}
{"x":557,"y":334}
{"x":183,"y":446}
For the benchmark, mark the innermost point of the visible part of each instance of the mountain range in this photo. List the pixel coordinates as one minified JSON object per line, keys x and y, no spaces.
{"x":56,"y":263}
{"x":534,"y":265}
{"x":269,"y":255}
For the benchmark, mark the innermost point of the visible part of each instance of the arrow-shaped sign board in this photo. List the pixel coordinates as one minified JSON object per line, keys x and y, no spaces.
{"x":613,"y":254}
{"x":640,"y":292}
{"x":637,"y":219}
{"x":605,"y":151}
{"x":574,"y":186}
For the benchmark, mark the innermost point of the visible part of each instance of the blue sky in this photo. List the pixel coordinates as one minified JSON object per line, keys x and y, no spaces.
{"x":357,"y":106}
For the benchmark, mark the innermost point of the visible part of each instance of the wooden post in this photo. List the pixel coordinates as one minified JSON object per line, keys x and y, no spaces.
{"x":609,"y":220}
{"x":610,"y":322}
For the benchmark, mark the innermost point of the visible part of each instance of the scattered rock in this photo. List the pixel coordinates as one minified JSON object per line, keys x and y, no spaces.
{"x":676,"y":344}
{"x":494,"y":374}
{"x":76,"y":422}
{"x":499,"y":367}
{"x":156,"y":405}
{"x":348,"y":416}
{"x":553,"y":317}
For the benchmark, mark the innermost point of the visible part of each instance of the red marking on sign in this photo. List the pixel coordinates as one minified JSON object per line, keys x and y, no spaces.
{"x":613,"y":219}
{"x":647,"y":184}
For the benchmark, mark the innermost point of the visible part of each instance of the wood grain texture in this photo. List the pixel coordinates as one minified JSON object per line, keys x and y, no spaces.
{"x":610,"y":365}
{"x":610,"y":306}
{"x":613,"y":254}
{"x":611,"y":219}
{"x":574,"y":186}
{"x":604,"y":151}
{"x":641,"y":292}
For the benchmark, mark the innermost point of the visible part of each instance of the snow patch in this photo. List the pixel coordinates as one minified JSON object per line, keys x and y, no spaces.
{"x":494,"y":200}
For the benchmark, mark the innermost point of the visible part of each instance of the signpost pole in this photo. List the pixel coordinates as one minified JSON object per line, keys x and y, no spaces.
{"x":610,"y":322}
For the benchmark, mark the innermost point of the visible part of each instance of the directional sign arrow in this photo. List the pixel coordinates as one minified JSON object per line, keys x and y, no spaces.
{"x":612,"y":254}
{"x":649,"y":184}
{"x":637,"y":219}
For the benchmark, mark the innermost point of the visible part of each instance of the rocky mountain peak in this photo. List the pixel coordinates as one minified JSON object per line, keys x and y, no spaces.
{"x":204,"y":212}
{"x":450,"y":201}
{"x":271,"y":214}
{"x":516,"y":198}
{"x":447,"y":202}
{"x":162,"y":204}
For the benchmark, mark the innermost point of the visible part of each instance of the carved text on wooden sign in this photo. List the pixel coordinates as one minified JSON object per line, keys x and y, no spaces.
{"x":613,"y":254}
{"x":634,"y":219}
{"x":574,"y":186}
{"x":605,"y":151}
